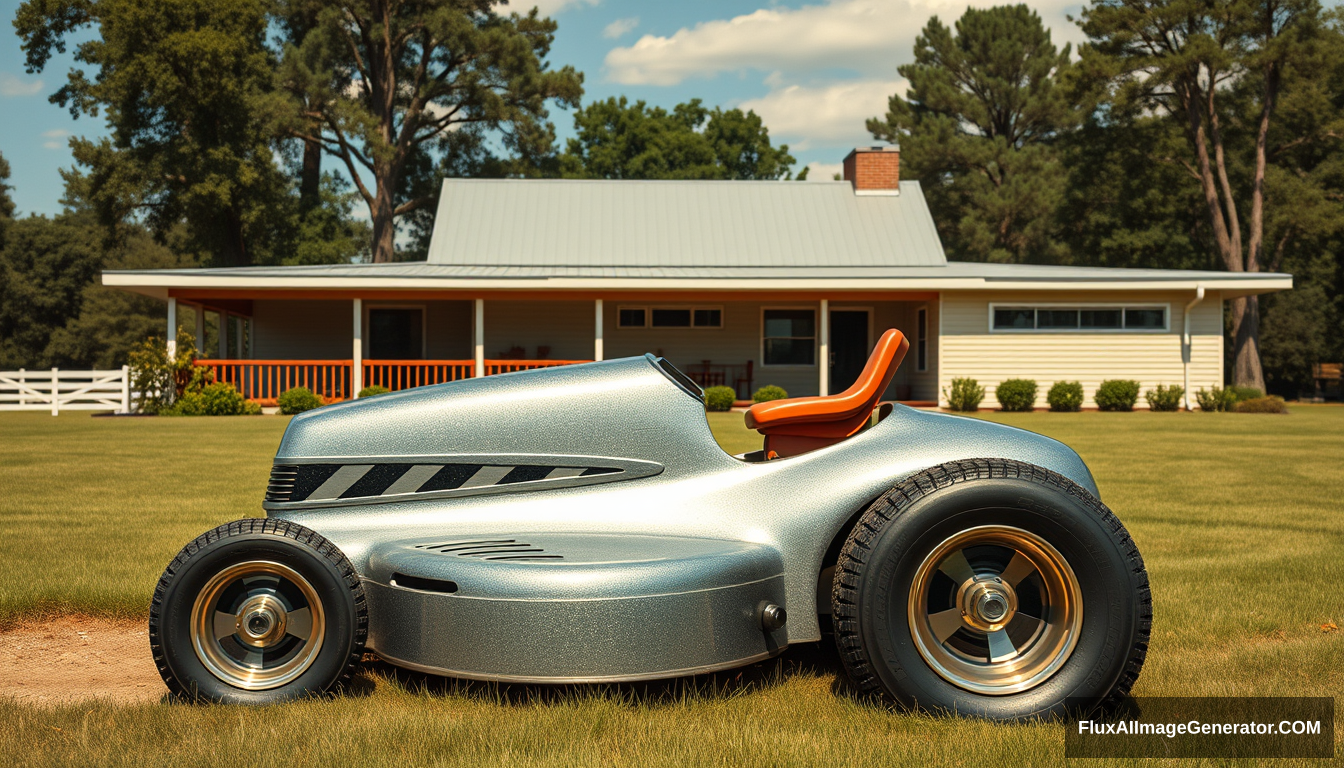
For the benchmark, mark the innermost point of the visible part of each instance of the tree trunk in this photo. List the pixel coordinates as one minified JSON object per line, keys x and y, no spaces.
{"x":383,"y":213}
{"x":310,"y":179}
{"x":234,"y":251}
{"x":1246,"y":370}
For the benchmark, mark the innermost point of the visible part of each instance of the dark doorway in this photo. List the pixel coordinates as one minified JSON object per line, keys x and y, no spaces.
{"x":397,"y":334}
{"x":849,"y":346}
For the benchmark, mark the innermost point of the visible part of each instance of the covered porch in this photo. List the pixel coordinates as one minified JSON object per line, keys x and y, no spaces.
{"x":337,"y":343}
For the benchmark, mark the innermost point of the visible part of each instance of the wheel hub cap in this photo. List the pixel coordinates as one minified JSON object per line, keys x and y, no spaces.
{"x":987,"y":604}
{"x":261,"y":621}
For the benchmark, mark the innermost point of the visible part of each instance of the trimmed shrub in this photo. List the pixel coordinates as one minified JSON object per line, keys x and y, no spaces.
{"x":1016,"y":394}
{"x":965,"y":395}
{"x":219,"y":399}
{"x":1245,"y":393}
{"x":720,"y":398}
{"x":373,"y":390}
{"x":1216,"y":399}
{"x":1065,"y":396}
{"x":1165,"y":398}
{"x":767,"y":393}
{"x":1262,"y":405}
{"x":298,"y":400}
{"x":1117,"y":395}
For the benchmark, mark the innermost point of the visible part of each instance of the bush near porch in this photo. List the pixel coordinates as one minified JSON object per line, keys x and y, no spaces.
{"x":132,"y":491}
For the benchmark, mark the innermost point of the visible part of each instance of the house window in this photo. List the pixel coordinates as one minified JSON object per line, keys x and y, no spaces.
{"x":396,"y":333}
{"x":669,"y":317}
{"x":922,"y":340}
{"x":789,"y":337}
{"x":1076,"y":319}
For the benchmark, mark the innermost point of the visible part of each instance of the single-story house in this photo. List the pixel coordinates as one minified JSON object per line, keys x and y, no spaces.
{"x":739,"y":283}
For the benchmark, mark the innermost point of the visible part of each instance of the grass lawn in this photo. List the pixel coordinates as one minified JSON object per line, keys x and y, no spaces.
{"x":1238,"y":517}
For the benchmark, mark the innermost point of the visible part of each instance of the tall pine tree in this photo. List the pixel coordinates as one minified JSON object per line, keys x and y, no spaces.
{"x":978,"y":129}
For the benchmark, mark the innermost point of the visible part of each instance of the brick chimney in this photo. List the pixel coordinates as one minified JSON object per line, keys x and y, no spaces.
{"x":874,"y":170}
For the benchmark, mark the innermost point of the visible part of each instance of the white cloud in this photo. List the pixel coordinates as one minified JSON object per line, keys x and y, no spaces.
{"x":823,"y":171}
{"x":620,"y":27}
{"x":18,"y":86}
{"x":869,"y":36}
{"x":828,"y":114}
{"x":544,"y":7}
{"x":55,"y":138}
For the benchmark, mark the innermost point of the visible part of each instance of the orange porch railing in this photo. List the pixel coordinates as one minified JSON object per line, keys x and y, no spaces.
{"x":405,"y":374}
{"x":264,"y":380}
{"x":510,"y":366}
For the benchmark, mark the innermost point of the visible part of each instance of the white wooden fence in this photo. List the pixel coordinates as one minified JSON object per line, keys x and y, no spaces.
{"x":53,"y":390}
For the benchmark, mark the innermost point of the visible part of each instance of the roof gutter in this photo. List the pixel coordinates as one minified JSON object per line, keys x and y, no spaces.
{"x":1185,"y":342}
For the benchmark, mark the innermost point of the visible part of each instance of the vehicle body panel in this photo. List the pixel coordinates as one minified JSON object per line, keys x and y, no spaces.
{"x":678,"y":485}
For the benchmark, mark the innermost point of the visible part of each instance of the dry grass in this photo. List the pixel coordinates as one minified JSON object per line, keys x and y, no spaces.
{"x":1238,"y":517}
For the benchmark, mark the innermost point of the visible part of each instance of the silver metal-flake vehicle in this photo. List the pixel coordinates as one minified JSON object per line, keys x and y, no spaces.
{"x":581,"y":524}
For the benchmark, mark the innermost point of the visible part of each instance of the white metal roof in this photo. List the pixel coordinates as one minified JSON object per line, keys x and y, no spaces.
{"x":952,"y":275}
{"x":642,"y":224}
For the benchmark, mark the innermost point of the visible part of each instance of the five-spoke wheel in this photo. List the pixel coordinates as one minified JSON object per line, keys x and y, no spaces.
{"x":257,"y":611}
{"x":995,"y":609}
{"x":993,"y":588}
{"x":257,"y":625}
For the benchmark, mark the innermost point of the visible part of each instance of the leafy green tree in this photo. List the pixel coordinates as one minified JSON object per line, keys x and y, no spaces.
{"x":107,"y":324}
{"x":182,"y":85}
{"x":620,"y":140}
{"x":979,"y":127}
{"x":6,"y":202}
{"x":1127,"y":203}
{"x":419,"y":73}
{"x":44,"y":267}
{"x":1217,"y":66}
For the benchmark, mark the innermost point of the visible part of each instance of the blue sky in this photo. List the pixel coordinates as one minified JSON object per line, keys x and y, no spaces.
{"x":813,"y":70}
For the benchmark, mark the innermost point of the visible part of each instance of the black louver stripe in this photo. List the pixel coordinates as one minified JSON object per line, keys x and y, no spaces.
{"x":321,"y":482}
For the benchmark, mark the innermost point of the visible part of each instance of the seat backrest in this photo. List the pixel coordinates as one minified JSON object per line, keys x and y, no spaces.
{"x":853,"y":405}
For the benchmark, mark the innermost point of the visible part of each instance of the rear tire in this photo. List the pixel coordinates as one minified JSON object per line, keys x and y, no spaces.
{"x":258,"y":611}
{"x":993,"y":588}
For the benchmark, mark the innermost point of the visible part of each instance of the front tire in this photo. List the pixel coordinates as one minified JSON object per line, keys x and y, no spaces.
{"x":992,"y":588}
{"x":256,"y":612}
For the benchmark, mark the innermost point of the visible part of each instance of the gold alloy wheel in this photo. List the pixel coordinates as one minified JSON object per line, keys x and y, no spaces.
{"x":257,"y":625}
{"x":995,"y":610}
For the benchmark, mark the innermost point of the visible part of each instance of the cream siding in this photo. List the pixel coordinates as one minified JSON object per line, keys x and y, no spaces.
{"x":970,"y":350}
{"x":294,"y":329}
{"x":301,"y":330}
{"x":564,"y":326}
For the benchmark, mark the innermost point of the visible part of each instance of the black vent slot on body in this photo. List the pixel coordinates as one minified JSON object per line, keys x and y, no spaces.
{"x":281,"y":486}
{"x":423,"y":584}
{"x":492,"y":549}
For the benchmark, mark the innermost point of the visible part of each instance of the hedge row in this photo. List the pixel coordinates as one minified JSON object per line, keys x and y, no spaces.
{"x":1112,"y":395}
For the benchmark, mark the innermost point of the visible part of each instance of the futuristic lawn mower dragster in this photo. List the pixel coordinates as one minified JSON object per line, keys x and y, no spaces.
{"x":580,"y":524}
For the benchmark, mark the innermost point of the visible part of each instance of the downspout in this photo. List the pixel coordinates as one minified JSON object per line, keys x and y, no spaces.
{"x":1185,"y":342}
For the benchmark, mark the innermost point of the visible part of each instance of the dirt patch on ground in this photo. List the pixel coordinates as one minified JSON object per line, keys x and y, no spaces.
{"x":76,"y":658}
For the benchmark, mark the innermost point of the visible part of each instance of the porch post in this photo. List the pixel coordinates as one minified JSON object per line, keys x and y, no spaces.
{"x":824,"y":354}
{"x":478,"y":338}
{"x":357,"y":351}
{"x":222,"y":340}
{"x":597,"y":335}
{"x":172,"y":328}
{"x":238,"y":334}
{"x":199,"y":311}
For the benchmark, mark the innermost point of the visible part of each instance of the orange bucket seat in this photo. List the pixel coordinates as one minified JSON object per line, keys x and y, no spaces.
{"x":801,"y":424}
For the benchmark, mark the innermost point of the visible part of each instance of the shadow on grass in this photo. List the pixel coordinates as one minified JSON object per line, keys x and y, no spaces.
{"x":803,"y":660}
